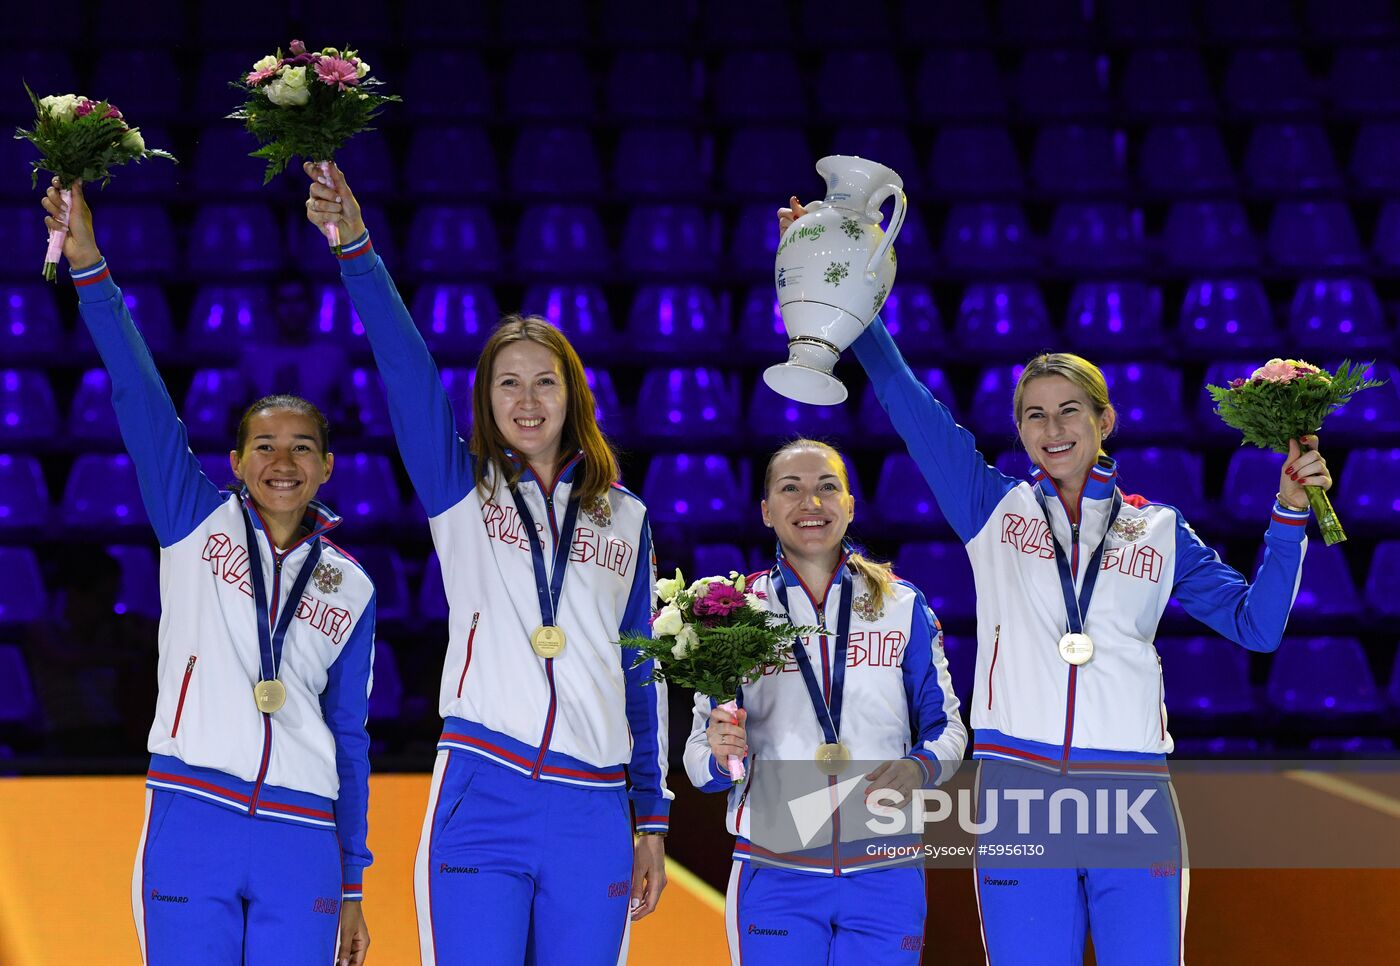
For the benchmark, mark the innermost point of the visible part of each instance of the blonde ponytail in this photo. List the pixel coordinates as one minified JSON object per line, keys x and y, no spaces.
{"x":878,"y":576}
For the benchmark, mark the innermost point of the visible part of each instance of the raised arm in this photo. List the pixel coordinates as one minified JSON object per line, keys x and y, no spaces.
{"x":177,"y":495}
{"x":438,"y":460}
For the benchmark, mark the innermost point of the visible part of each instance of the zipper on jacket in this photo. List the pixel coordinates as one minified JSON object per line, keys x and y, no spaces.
{"x":996,"y":646}
{"x":184,"y":687}
{"x":468,"y":663}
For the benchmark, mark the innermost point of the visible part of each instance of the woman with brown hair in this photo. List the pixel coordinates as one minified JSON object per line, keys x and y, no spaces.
{"x":527,"y":849}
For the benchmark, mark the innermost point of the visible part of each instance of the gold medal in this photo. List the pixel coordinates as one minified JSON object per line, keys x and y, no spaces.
{"x":548,"y":641}
{"x":832,"y":758}
{"x":269,"y":696}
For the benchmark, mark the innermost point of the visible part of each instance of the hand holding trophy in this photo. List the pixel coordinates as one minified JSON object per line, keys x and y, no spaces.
{"x":834,"y":268}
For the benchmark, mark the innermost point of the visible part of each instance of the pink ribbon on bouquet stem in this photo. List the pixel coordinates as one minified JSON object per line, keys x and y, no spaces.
{"x":56,"y":238}
{"x":330,"y":229}
{"x":735,"y":763}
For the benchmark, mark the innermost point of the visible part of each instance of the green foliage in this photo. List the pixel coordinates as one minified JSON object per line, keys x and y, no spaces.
{"x":1269,"y":414}
{"x":81,"y":147}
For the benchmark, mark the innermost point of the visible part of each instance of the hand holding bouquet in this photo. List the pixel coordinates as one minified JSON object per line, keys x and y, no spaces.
{"x":79,"y":139}
{"x":308,"y":105}
{"x":1283,"y":402}
{"x":713,"y":637}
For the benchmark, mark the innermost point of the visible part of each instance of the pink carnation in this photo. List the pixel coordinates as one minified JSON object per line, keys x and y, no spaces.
{"x":720,"y":600}
{"x":336,"y":72}
{"x":257,"y":77}
{"x":112,"y":112}
{"x":1276,"y":370}
{"x":84,"y":108}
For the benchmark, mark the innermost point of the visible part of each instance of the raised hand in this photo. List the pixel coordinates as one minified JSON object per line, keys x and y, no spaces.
{"x":1304,"y":467}
{"x":331,"y":201}
{"x":80,"y":246}
{"x":786,"y":216}
{"x":726,"y":734}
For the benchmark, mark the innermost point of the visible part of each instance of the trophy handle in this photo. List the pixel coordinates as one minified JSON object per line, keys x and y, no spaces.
{"x":896,"y":222}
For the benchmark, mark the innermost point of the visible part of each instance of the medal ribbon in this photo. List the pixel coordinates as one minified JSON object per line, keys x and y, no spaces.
{"x":1076,"y":609}
{"x":549,"y":587}
{"x":270,"y":638}
{"x":828,"y":716}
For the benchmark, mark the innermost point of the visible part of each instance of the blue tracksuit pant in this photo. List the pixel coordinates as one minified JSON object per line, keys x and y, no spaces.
{"x":220,"y":888}
{"x":512,"y":870}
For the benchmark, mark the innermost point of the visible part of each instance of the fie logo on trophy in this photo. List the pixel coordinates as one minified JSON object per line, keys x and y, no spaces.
{"x":834,"y":268}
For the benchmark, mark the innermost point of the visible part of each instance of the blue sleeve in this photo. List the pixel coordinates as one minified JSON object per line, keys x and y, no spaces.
{"x":939,"y":735}
{"x":1253,"y":615}
{"x":438,"y":460}
{"x":967,"y":489}
{"x":646,"y":703}
{"x":345,"y":706}
{"x":705,"y":773}
{"x":177,"y":495}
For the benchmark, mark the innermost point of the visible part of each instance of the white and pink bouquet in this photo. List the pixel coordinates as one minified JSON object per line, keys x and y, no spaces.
{"x":307,"y":104}
{"x":714,"y":636}
{"x":79,"y":139}
{"x":1287,"y":399}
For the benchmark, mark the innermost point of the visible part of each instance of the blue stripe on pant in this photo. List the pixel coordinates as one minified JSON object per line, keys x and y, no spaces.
{"x":220,"y":888}
{"x":781,"y":917}
{"x":512,"y":870}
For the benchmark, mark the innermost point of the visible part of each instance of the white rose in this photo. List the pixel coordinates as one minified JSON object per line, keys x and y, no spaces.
{"x":669,"y":621}
{"x":755,"y":602}
{"x":685,"y":640}
{"x":61,"y":106}
{"x":668,"y":587}
{"x":698,"y":588}
{"x":361,"y":69}
{"x":133,"y":141}
{"x":267,"y":63}
{"x":288,"y":89}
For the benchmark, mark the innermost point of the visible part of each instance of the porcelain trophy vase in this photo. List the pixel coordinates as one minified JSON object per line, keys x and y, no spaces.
{"x":835,"y":266}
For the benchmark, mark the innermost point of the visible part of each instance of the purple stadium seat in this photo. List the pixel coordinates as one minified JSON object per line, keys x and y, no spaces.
{"x":456,"y":160}
{"x":1209,"y":677}
{"x":1164,"y":474}
{"x":943,"y":572}
{"x":676,"y":405}
{"x":29,"y":320}
{"x":1326,"y":594}
{"x":652,"y":85}
{"x":366,"y":410}
{"x":1365,"y":82}
{"x":27,"y":410}
{"x":458,"y":383}
{"x":890,"y":144}
{"x":468,"y":96}
{"x":555,"y":162}
{"x":386,"y":569}
{"x":761,"y":334}
{"x":580,"y":310}
{"x":758,"y":85}
{"x":91,"y":416}
{"x":455,"y":320}
{"x":146,"y":303}
{"x":911,"y":315}
{"x":139,"y":592}
{"x":213,"y":405}
{"x":913,"y":247}
{"x":757,"y":22}
{"x":1003,"y":320}
{"x":716,"y":558}
{"x":606,"y":406}
{"x":761,"y":162}
{"x":665,"y":320}
{"x":1015,"y":463}
{"x":694,"y":489}
{"x":18,"y":704}
{"x":1167,"y":83}
{"x":972,"y":162}
{"x":661,"y":163}
{"x":1115,"y":318}
{"x":875,"y":424}
{"x":233,"y":239}
{"x":1251,"y":481}
{"x":988,"y":237}
{"x":1374,"y":415}
{"x":1269,"y":82}
{"x":1382,"y":578}
{"x":46,"y":68}
{"x":990,"y":415}
{"x":1386,"y":243}
{"x":1368,"y":495}
{"x":544,"y":22}
{"x":1209,"y":236}
{"x":24,"y":499}
{"x":1218,"y":749}
{"x":1287,"y":159}
{"x":147,"y":240}
{"x":753,"y":244}
{"x":102,"y":492}
{"x":432,"y":598}
{"x":1147,"y":397}
{"x":1184,"y":159}
{"x":1225,"y":317}
{"x":1352,"y":20}
{"x":156,"y":179}
{"x":225,"y":317}
{"x":1248,"y":21}
{"x":859,"y":85}
{"x":309,"y":252}
{"x":1314,"y":234}
{"x":367,"y":162}
{"x":1079,"y":160}
{"x":386,"y":699}
{"x":334,"y":319}
{"x":669,"y":240}
{"x":1043,"y":22}
{"x":22,"y":596}
{"x":959,"y":85}
{"x":1220,"y":374}
{"x":549,"y":85}
{"x":828,"y":23}
{"x":1094,"y":236}
{"x":1069,"y":83}
{"x":1331,"y":312}
{"x":230,"y":24}
{"x":1375,"y":157}
{"x":143,"y":81}
{"x":1148,"y":22}
{"x":903,"y":501}
{"x":773,"y":418}
{"x":1323,"y":676}
{"x":453,"y":240}
{"x":1357,"y":745}
{"x":946,"y":22}
{"x":363,"y":491}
